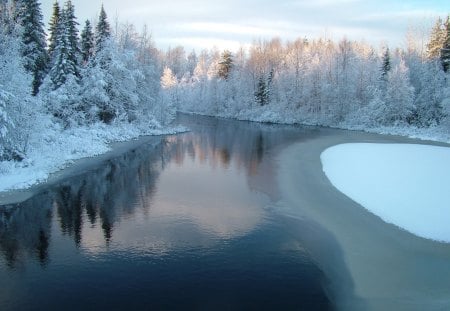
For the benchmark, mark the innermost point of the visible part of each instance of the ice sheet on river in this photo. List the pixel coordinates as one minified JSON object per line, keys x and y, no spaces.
{"x":404,"y":184}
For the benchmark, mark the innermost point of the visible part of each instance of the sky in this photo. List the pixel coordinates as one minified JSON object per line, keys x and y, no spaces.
{"x":199,"y":24}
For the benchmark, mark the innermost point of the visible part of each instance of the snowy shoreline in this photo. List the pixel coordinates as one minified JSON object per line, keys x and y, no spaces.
{"x":68,"y":152}
{"x":404,"y":184}
{"x":434,"y":134}
{"x":386,"y":263}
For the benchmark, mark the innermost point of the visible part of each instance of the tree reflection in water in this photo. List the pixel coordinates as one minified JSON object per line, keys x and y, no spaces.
{"x":122,"y":185}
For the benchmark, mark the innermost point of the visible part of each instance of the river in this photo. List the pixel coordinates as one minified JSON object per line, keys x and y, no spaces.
{"x":228,"y":216}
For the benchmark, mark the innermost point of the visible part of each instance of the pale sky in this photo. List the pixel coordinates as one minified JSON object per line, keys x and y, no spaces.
{"x":230,"y":23}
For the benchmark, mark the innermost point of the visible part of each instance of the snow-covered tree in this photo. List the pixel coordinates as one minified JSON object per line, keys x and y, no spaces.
{"x":386,"y":64}
{"x":225,"y":65}
{"x":168,"y":79}
{"x":102,"y":30}
{"x":445,"y":52}
{"x":428,"y":102}
{"x":87,"y":41}
{"x":53,"y":29}
{"x":19,"y":110}
{"x":114,"y":77}
{"x":436,"y":41}
{"x":66,"y":54}
{"x":399,"y":96}
{"x":34,"y":43}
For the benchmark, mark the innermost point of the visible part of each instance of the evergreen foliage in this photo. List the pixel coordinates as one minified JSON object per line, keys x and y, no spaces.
{"x":261,"y":92}
{"x":102,"y":30}
{"x":53,"y":29}
{"x":34,"y":40}
{"x":386,"y":64}
{"x":66,"y":55}
{"x":87,"y":42}
{"x":445,"y":52}
{"x":225,"y":65}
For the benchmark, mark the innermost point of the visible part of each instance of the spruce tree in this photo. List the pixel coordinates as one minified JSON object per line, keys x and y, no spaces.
{"x":434,"y":46}
{"x":102,"y":30}
{"x":56,"y":15}
{"x":29,"y":16}
{"x":445,"y":51}
{"x":66,"y":54}
{"x":70,"y":25}
{"x":261,"y":91}
{"x":386,"y":64}
{"x":225,"y":65}
{"x":87,"y":41}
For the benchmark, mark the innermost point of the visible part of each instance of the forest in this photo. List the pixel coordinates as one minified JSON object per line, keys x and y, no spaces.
{"x":81,"y":84}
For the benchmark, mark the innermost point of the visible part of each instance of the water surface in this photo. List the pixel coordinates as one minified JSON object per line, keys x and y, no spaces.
{"x":187,"y":223}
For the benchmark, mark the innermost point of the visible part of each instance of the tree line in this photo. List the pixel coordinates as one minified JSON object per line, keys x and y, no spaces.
{"x":58,"y":78}
{"x":67,"y":79}
{"x":344,"y":83}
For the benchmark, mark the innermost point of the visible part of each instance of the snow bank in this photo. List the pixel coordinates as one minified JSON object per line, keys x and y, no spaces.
{"x":404,"y":184}
{"x":55,"y":149}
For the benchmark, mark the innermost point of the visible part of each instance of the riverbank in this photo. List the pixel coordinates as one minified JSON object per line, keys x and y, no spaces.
{"x":263,"y":114}
{"x":69,"y":153}
{"x":391,"y":268}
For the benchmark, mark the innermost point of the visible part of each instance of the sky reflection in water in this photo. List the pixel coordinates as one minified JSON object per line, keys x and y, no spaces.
{"x":183,"y":223}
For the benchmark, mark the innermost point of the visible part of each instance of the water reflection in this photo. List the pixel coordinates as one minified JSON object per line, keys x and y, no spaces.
{"x":182,"y":222}
{"x":25,"y":232}
{"x":123,"y":189}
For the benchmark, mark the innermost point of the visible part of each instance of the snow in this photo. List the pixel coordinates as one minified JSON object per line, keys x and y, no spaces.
{"x":404,"y":184}
{"x":55,"y":149}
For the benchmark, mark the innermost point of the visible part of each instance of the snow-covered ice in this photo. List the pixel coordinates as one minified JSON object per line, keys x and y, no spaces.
{"x":404,"y":184}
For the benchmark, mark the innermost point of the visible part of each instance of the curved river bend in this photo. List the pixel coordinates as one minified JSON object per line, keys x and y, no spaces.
{"x":230,"y":216}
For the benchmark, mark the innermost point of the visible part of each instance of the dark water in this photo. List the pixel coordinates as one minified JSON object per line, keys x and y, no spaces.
{"x":186,"y":223}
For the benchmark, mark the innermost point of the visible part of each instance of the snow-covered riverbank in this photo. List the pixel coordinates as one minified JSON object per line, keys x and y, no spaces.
{"x":57,"y":149}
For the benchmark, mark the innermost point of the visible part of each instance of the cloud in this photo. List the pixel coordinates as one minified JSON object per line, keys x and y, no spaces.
{"x":236,"y":22}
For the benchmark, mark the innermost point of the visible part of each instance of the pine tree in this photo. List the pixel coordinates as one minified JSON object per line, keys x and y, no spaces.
{"x":87,"y":41}
{"x":445,"y":52}
{"x":70,"y":25}
{"x":225,"y":65}
{"x":102,"y":30}
{"x":28,"y":14}
{"x":66,"y":54}
{"x":434,"y":46}
{"x":386,"y":64}
{"x":261,"y":91}
{"x":53,"y":28}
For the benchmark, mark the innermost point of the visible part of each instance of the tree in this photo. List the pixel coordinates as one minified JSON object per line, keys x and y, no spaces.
{"x":53,"y":29}
{"x":436,"y":42}
{"x":445,"y":52}
{"x":386,"y":64}
{"x":428,"y":102}
{"x":102,"y":30}
{"x":71,"y":28}
{"x":225,"y":65}
{"x":65,"y":60}
{"x":19,"y":112}
{"x":399,"y":96}
{"x":34,"y":43}
{"x":87,"y":42}
{"x":261,"y":92}
{"x":168,"y":79}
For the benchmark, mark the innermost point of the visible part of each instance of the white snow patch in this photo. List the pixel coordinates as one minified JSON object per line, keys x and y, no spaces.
{"x":404,"y":184}
{"x":56,"y":149}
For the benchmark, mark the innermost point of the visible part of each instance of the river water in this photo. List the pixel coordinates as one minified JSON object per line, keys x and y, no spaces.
{"x":228,"y":216}
{"x":186,"y":222}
